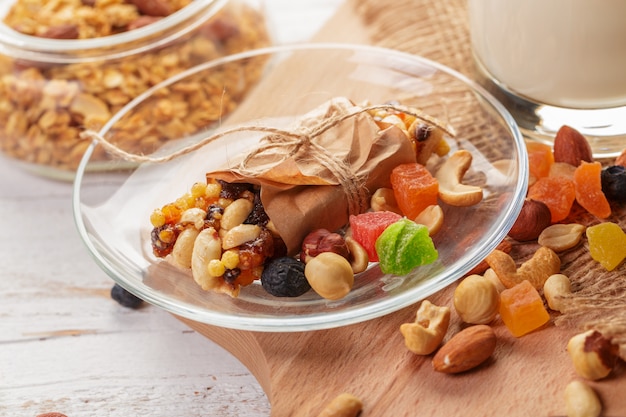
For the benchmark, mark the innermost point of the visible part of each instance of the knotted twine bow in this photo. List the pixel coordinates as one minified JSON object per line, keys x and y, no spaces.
{"x":289,"y":143}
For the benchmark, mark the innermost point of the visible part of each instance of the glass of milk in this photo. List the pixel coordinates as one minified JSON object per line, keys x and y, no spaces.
{"x":556,"y":62}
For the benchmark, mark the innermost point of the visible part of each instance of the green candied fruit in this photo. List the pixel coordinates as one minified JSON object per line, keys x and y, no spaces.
{"x":403,"y":246}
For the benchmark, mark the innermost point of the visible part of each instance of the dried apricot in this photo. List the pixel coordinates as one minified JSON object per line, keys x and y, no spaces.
{"x":607,"y":244}
{"x":558,"y":193}
{"x":588,"y":187}
{"x":414,"y":188}
{"x":522,"y":309}
{"x":540,"y":159}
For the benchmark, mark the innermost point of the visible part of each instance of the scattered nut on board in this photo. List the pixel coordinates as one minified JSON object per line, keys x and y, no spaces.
{"x":593,"y":355}
{"x":465,"y":350}
{"x":581,"y":400}
{"x":424,"y":336}
{"x":344,"y":405}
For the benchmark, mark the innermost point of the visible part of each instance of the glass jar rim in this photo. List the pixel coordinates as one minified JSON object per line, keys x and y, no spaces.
{"x":16,"y":44}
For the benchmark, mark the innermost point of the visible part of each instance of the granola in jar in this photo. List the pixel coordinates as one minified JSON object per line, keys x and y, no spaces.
{"x":92,"y":57}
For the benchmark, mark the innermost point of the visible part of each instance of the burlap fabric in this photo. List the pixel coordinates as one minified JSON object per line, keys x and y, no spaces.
{"x":438,"y":30}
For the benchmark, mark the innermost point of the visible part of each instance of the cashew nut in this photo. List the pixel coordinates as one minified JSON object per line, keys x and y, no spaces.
{"x":581,"y":400}
{"x":330,"y":275}
{"x":555,"y":287}
{"x":183,"y":247}
{"x":344,"y":405}
{"x":432,"y":218}
{"x":476,"y":300}
{"x":450,"y":175}
{"x":423,"y":336}
{"x":359,"y":259}
{"x":545,"y":262}
{"x":383,"y":199}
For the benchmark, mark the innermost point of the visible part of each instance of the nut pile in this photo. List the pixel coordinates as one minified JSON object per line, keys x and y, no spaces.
{"x":44,"y":106}
{"x":516,"y":294}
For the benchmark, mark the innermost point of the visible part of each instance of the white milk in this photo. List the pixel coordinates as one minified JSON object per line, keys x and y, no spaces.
{"x":568,"y":53}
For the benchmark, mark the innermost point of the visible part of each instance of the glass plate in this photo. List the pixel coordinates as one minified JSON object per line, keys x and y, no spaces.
{"x":112,"y":206}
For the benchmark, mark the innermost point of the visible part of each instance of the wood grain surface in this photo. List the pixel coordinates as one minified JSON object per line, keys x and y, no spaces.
{"x":301,"y":372}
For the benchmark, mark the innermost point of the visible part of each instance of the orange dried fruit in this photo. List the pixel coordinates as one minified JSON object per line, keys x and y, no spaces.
{"x":522,"y":309}
{"x":588,"y":187}
{"x":558,"y":193}
{"x":414,"y":188}
{"x":540,"y":159}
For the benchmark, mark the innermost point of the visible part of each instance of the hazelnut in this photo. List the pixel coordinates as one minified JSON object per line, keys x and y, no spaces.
{"x":593,"y":355}
{"x":320,"y":241}
{"x":532,"y":219}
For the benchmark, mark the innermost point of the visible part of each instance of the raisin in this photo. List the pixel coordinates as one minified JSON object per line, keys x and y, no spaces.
{"x":284,"y":277}
{"x":614,"y":182}
{"x":163,"y":239}
{"x":257,"y":251}
{"x":213,"y":216}
{"x":422,"y":133}
{"x":233,"y":190}
{"x":258,"y":215}
{"x":125,"y":298}
{"x":231,"y":275}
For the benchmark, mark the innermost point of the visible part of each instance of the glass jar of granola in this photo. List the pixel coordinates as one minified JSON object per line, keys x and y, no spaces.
{"x":69,"y":65}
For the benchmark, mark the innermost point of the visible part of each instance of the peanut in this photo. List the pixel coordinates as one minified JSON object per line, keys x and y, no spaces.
{"x":344,"y":405}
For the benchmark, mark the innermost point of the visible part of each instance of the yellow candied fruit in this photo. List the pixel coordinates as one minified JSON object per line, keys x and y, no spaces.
{"x":522,"y":309}
{"x":230,"y":259}
{"x":172,"y":213}
{"x":213,"y":190}
{"x":607,"y":244}
{"x":216,"y":268}
{"x":157,"y":218}
{"x":442,"y":148}
{"x":184,"y":202}
{"x":198,"y":190}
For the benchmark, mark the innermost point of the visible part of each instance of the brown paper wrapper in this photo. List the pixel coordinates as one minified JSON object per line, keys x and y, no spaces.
{"x":324,"y":172}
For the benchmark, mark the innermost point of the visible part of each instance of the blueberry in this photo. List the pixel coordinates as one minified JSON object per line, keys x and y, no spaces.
{"x":124,"y":298}
{"x":284,"y":277}
{"x":614,"y":182}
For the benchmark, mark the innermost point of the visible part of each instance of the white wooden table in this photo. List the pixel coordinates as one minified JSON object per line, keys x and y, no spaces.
{"x":66,"y":346}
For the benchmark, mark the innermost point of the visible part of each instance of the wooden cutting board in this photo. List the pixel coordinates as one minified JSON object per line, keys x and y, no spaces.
{"x":301,"y":372}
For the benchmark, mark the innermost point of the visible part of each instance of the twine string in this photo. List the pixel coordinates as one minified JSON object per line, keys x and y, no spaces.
{"x":289,"y":142}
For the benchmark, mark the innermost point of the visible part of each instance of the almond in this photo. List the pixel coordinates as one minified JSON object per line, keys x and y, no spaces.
{"x":571,"y":147}
{"x":621,"y":159}
{"x":465,"y":350}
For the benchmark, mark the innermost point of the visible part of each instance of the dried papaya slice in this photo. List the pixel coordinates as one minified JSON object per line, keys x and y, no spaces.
{"x":588,"y":188}
{"x":558,"y":193}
